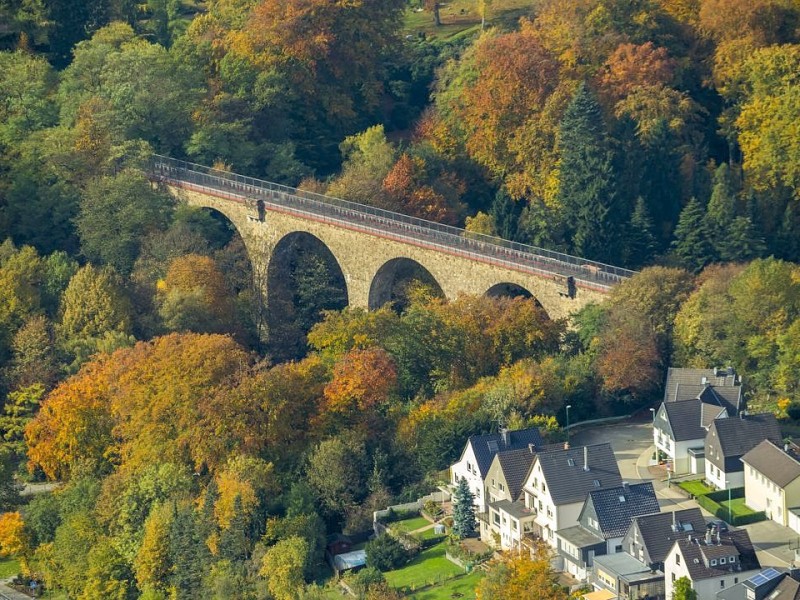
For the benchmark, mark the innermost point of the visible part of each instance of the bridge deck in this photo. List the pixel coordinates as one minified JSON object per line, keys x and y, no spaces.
{"x":387,"y":224}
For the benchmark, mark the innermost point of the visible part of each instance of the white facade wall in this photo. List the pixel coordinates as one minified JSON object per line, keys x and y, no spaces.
{"x":467,"y":468}
{"x":717,"y":477}
{"x":678,"y":452}
{"x":706,"y":589}
{"x":762,"y":494}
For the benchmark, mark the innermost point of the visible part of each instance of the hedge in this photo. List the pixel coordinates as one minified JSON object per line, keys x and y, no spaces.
{"x":710,"y":503}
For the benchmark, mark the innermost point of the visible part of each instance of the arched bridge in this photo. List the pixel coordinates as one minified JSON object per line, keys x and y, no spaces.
{"x":374,"y":247}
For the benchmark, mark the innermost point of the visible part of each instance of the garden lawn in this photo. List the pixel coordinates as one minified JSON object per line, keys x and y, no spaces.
{"x":409,"y":525}
{"x":464,"y":586}
{"x":695,"y":487}
{"x":9,"y":567}
{"x":428,"y":534}
{"x":427,"y":567}
{"x":738,"y":507}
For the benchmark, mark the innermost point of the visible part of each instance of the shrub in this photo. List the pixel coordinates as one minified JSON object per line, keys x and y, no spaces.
{"x":386,"y":553}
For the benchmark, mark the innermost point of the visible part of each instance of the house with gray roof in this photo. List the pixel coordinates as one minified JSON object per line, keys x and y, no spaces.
{"x":560,"y":480}
{"x":650,"y":537}
{"x":772,"y":482}
{"x":680,"y":427}
{"x":480,"y":450}
{"x":769,"y":584}
{"x":603,"y":521}
{"x":712,"y":561}
{"x":730,"y":439}
{"x":722,"y":384}
{"x":507,"y":519}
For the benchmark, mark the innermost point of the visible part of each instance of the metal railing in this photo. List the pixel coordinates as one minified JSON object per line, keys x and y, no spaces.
{"x":482,"y":247}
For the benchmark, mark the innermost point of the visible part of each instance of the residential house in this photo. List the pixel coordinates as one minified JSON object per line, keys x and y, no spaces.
{"x":603,"y":522}
{"x":772,"y":482}
{"x":479,"y":452}
{"x":626,"y":577}
{"x":711,"y":561}
{"x":650,"y":537}
{"x":730,"y":439}
{"x":693,"y":398}
{"x":507,"y":519}
{"x":559,"y":481}
{"x":769,"y":584}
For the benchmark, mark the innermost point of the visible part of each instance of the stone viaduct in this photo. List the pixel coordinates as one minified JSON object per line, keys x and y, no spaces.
{"x":373,"y":247}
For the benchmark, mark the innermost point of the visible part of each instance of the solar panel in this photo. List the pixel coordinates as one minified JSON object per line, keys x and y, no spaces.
{"x":765,"y":576}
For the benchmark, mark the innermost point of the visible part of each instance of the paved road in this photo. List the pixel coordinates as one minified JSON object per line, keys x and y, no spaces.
{"x":633,"y":447}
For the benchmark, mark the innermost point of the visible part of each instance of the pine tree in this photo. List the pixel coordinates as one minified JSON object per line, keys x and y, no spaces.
{"x":642,"y":242}
{"x":587,"y":190}
{"x":505,"y":212}
{"x":659,"y":182}
{"x":691,"y":245}
{"x":464,"y":523}
{"x":233,"y":542}
{"x":721,"y":212}
{"x":189,"y":554}
{"x":744,"y":241}
{"x":787,"y":240}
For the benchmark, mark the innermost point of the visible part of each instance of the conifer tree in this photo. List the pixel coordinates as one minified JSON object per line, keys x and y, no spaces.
{"x":787,"y":242}
{"x":233,"y":542}
{"x":188,"y":552}
{"x":464,"y":523}
{"x":659,"y":182}
{"x":587,"y":188}
{"x":691,"y":245}
{"x":642,"y":243}
{"x":505,"y":212}
{"x":721,"y":212}
{"x":744,"y":242}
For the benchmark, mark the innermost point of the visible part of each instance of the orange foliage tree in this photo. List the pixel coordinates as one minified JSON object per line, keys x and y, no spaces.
{"x":633,"y":66}
{"x":14,"y":540}
{"x":522,"y":577}
{"x":362,"y":380}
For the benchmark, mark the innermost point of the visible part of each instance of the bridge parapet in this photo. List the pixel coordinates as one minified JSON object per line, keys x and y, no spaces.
{"x":258,"y":195}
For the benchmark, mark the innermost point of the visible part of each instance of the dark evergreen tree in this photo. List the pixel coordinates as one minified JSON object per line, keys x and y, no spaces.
{"x":744,"y":242}
{"x":787,"y":240}
{"x":659,"y":182}
{"x":464,"y":523}
{"x":73,"y":21}
{"x":691,"y":246}
{"x":642,"y":243}
{"x":505,"y":212}
{"x":233,"y":542}
{"x":721,"y":212}
{"x":188,"y":553}
{"x":587,"y":191}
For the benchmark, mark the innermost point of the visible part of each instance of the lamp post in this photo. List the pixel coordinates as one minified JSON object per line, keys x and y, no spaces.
{"x":730,"y":507}
{"x":567,"y":428}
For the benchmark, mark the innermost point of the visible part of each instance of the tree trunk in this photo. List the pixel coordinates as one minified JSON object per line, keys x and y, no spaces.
{"x":436,"y":18}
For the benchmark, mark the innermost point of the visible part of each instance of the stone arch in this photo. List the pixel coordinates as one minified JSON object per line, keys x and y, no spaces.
{"x":303,"y":277}
{"x":508,"y":290}
{"x":389,"y":283}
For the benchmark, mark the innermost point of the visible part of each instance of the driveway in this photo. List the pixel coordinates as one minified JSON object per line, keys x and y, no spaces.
{"x":633,"y":446}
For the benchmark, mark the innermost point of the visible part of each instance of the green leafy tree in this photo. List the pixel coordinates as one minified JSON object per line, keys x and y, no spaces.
{"x":116,"y":212}
{"x":587,"y":188}
{"x":108,"y":575}
{"x":464,"y":522}
{"x":283,"y":565}
{"x":691,"y":246}
{"x":682,"y":590}
{"x":386,"y":553}
{"x":336,"y":471}
{"x":27,"y":103}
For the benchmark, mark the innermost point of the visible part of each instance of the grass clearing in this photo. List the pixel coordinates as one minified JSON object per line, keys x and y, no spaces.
{"x":695,"y":487}
{"x":738,"y":507}
{"x":409,"y":525}
{"x":429,"y":566}
{"x":463,"y":585}
{"x":9,"y":567}
{"x":459,"y":16}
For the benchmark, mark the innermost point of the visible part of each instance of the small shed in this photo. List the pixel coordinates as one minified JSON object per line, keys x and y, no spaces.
{"x":349,"y":561}
{"x":438,"y":529}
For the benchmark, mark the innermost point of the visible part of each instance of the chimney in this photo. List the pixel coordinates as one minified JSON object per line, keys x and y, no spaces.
{"x":505,"y":435}
{"x":625,"y":485}
{"x":674,"y":520}
{"x":708,"y":537}
{"x":532,"y":448}
{"x":586,"y":458}
{"x":566,"y":445}
{"x":719,"y":529}
{"x":704,"y":381}
{"x":786,"y":447}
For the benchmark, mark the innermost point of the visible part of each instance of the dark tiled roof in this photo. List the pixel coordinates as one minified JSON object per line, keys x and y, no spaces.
{"x":515,"y":465}
{"x":566,"y":477}
{"x":486,"y":446}
{"x":615,"y":507}
{"x":718,"y":378}
{"x":732,"y":543}
{"x":686,"y":418}
{"x":772,"y":462}
{"x":658,"y":534}
{"x":737,"y":436}
{"x":787,"y":589}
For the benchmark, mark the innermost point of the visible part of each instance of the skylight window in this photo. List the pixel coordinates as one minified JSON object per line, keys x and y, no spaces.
{"x":622,"y":498}
{"x":571,"y":462}
{"x":596,"y":483}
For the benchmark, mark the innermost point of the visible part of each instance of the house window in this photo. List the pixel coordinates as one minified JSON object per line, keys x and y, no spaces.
{"x":713,"y":562}
{"x":541,"y":506}
{"x":544,"y":487}
{"x":722,"y":560}
{"x":677,"y":559}
{"x":477,"y":492}
{"x":502,"y":487}
{"x":514,"y":525}
{"x":570,"y":462}
{"x":673,"y":578}
{"x":549,"y":512}
{"x":496,"y":518}
{"x":731,"y":559}
{"x":722,"y":584}
{"x":493,"y":485}
{"x":618,"y":548}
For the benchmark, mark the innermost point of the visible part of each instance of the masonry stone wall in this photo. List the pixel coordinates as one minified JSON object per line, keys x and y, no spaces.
{"x":360,"y":255}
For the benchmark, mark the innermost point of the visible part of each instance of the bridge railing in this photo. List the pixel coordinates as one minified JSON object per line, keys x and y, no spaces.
{"x":589,"y":271}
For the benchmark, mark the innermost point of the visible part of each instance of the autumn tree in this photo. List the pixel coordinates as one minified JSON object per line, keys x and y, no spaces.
{"x":520,"y":576}
{"x":368,"y":157}
{"x":283,"y":566}
{"x":14,"y":540}
{"x":632,"y":66}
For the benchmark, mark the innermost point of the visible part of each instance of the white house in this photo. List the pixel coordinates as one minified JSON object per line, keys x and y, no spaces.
{"x":730,"y":439}
{"x":712,"y":561}
{"x":479,"y":452}
{"x":772,"y":482}
{"x":559,"y":480}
